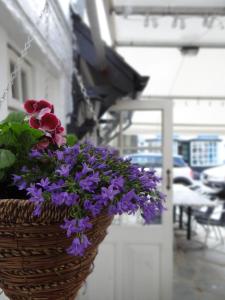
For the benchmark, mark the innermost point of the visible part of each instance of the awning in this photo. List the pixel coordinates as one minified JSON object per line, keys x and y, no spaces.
{"x":117,"y":80}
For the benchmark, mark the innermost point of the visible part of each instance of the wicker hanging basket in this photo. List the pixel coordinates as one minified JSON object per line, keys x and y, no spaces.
{"x":33,"y":260}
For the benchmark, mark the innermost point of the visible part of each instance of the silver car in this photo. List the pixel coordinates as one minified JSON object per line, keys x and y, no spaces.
{"x":182,"y":173}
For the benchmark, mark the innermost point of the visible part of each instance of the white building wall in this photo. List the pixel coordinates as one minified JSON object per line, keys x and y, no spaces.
{"x":50,"y":56}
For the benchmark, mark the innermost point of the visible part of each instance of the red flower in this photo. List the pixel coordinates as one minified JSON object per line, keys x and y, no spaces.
{"x":34,"y":123}
{"x":59,"y":129}
{"x":59,"y":139}
{"x":49,"y":122}
{"x":30,"y":106}
{"x":44,"y":104}
{"x":43,"y":144}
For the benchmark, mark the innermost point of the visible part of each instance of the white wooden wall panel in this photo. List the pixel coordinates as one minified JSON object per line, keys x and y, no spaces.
{"x":141,"y":265}
{"x":104,"y":264}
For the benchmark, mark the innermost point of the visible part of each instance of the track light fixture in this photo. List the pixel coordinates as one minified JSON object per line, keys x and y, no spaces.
{"x":222,"y":27}
{"x":154,"y":22}
{"x":174,"y":22}
{"x":146,"y":20}
{"x":205,"y":21}
{"x":182,"y":23}
{"x":211,"y":21}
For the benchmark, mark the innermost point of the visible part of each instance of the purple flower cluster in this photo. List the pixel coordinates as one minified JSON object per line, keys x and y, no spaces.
{"x":88,"y":180}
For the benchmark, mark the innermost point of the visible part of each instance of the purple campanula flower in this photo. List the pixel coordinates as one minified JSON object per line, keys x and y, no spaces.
{"x":71,"y":199}
{"x":75,"y":149}
{"x":86,"y":169}
{"x":147,"y":182}
{"x":149,"y":212}
{"x":90,"y":182}
{"x":37,"y":211}
{"x":76,"y":248}
{"x":100,"y":166}
{"x":112,"y":210}
{"x":91,"y":159}
{"x":76,"y":225}
{"x":16,"y":178}
{"x":59,"y":155}
{"x":78,"y":176}
{"x":44,"y":183}
{"x":34,"y":191}
{"x":93,"y":208}
{"x":22,"y":185}
{"x":64,"y":170}
{"x":127,"y":203}
{"x":35,"y":154}
{"x":84,"y":224}
{"x":85,"y":241}
{"x":69,"y":226}
{"x":56,"y":185}
{"x":109,"y":193}
{"x":118,"y":182}
{"x":79,"y":245}
{"x":70,"y":159}
{"x":24,"y":169}
{"x":108,"y":172}
{"x":59,"y":198}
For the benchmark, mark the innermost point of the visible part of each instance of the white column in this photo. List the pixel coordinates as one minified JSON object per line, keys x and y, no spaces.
{"x":4,"y":71}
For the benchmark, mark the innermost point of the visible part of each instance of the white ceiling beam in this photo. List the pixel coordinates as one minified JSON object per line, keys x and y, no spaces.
{"x":168,"y":10}
{"x":110,"y":20}
{"x":96,"y":34}
{"x":183,"y":97}
{"x":153,"y":44}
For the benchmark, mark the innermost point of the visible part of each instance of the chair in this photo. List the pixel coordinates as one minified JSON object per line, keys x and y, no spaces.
{"x":213,"y":218}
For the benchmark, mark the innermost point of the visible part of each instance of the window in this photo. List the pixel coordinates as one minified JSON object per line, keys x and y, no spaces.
{"x":22,"y":85}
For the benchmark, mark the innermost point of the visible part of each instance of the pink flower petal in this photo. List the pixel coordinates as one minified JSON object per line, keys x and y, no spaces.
{"x":59,"y":139}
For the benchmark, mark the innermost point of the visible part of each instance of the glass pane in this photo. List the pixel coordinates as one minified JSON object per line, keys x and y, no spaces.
{"x":15,"y":86}
{"x":141,"y":141}
{"x":24,"y":85}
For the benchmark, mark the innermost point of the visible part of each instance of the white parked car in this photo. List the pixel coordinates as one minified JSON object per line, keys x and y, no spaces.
{"x":214,"y":178}
{"x":182,"y":173}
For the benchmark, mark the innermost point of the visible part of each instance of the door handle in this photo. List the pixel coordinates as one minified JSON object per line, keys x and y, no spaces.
{"x":168,"y":179}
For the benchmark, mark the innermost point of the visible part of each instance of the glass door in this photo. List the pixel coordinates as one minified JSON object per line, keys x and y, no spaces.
{"x":135,"y":260}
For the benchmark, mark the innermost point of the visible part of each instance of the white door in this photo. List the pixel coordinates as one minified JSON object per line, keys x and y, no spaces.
{"x":135,"y":260}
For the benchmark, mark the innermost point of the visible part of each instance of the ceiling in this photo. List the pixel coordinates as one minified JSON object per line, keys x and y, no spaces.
{"x":167,"y":23}
{"x":150,"y":35}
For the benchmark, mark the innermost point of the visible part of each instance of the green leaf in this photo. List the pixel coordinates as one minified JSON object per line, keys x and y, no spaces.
{"x":7,"y":158}
{"x":7,"y":138}
{"x":15,"y":117}
{"x":71,"y":139}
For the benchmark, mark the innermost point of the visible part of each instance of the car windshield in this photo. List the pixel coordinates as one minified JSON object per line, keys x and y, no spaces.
{"x":155,"y":161}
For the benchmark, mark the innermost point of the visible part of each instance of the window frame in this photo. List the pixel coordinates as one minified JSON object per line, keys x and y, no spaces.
{"x":26,"y":67}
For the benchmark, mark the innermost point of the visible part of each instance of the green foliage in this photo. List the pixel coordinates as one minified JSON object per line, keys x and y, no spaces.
{"x":71,"y":139}
{"x":16,"y":140}
{"x":17,"y":117}
{"x":7,"y":158}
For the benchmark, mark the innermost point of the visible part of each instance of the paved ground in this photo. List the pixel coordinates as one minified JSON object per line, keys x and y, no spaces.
{"x":198,"y":273}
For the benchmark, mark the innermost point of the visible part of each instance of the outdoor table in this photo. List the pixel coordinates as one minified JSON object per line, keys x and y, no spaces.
{"x":183,"y":196}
